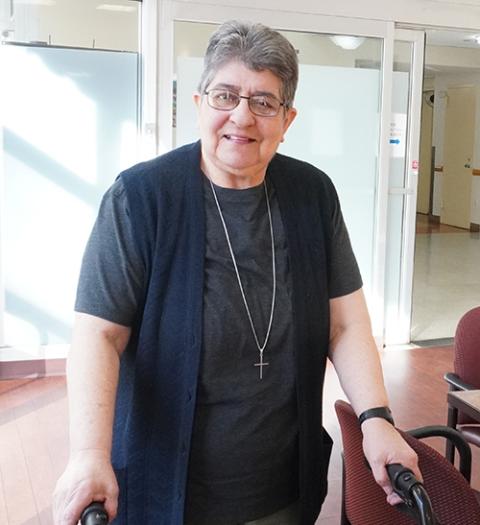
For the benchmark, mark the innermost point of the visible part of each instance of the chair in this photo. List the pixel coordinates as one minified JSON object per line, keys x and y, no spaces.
{"x":466,"y":375}
{"x":364,"y":502}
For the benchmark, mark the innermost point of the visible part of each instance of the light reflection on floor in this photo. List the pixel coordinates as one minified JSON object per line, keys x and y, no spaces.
{"x":446,"y":279}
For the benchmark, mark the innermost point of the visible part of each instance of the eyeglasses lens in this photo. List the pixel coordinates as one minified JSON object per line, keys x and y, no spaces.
{"x":261,"y":105}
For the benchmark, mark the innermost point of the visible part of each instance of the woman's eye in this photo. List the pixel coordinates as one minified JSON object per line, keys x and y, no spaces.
{"x":262,"y":102}
{"x":226,"y":96}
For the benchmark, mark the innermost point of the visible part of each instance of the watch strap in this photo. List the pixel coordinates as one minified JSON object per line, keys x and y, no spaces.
{"x":382,"y":412}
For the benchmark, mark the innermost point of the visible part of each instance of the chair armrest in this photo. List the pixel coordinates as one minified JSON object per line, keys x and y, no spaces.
{"x":454,"y":437}
{"x":456,"y":383}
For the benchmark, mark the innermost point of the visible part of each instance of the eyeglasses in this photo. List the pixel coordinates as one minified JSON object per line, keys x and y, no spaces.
{"x":260,"y":105}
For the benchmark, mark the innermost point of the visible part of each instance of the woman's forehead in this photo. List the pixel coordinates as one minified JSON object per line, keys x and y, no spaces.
{"x":237,"y":76}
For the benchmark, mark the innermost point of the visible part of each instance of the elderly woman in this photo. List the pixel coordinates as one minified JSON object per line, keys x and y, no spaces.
{"x":217,"y":280}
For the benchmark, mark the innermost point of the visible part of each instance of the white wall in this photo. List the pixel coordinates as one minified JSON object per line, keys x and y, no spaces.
{"x":191,"y":40}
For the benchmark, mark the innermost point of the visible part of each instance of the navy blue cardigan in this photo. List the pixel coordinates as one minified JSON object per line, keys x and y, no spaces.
{"x":158,"y":373}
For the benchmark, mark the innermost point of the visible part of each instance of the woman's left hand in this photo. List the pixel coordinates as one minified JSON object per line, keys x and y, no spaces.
{"x":383,"y":445}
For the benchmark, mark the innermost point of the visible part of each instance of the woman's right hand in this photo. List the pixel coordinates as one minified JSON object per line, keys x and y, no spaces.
{"x":88,"y":477}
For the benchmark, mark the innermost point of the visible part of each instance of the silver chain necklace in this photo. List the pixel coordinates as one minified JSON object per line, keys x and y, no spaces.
{"x":261,"y":348}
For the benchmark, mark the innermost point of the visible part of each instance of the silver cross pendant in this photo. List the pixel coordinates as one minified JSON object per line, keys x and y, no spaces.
{"x":261,"y":365}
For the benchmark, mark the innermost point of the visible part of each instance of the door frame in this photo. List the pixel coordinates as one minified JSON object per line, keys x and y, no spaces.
{"x":173,"y":10}
{"x":403,"y":311}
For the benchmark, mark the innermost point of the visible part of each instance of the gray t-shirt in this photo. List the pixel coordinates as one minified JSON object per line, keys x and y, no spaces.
{"x":243,"y":457}
{"x":112,"y":278}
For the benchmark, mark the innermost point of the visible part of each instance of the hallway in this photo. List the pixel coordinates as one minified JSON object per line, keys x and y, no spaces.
{"x":446,"y":278}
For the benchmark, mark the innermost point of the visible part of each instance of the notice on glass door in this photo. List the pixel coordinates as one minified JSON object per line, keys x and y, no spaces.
{"x":398,"y":134}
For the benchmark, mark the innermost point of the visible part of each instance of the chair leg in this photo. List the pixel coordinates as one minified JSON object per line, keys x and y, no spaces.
{"x":452,"y":423}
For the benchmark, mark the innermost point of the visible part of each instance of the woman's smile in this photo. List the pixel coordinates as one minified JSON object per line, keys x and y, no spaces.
{"x":239,"y":139}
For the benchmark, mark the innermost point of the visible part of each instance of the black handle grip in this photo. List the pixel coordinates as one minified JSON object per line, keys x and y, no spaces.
{"x":416,"y":502}
{"x":402,"y":479}
{"x":94,"y":514}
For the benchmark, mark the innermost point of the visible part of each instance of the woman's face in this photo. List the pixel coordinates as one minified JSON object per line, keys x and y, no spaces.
{"x":236,"y":144}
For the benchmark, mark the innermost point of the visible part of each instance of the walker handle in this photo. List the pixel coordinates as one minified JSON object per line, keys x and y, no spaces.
{"x":94,"y":514}
{"x":416,"y":502}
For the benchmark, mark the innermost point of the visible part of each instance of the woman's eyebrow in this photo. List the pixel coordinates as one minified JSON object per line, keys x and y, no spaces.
{"x":237,"y":89}
{"x":229,"y":87}
{"x":266,"y":93}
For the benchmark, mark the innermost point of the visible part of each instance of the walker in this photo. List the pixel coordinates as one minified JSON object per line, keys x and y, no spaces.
{"x":416,"y":502}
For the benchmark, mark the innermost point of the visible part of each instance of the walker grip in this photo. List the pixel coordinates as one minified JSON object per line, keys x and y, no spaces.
{"x":94,"y":514}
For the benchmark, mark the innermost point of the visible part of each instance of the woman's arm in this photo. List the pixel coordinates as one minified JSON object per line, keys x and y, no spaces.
{"x":357,"y":363}
{"x":92,"y":377}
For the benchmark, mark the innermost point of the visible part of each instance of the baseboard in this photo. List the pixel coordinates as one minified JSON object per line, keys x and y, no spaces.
{"x":32,"y":368}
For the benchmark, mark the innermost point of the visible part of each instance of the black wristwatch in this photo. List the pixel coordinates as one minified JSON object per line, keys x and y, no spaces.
{"x":382,"y":412}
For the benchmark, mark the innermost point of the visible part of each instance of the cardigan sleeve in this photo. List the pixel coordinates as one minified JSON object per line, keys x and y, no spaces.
{"x":112,"y":276}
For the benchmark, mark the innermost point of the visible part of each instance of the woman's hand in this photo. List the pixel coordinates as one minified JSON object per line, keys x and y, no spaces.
{"x":88,"y":477}
{"x":383,"y":445}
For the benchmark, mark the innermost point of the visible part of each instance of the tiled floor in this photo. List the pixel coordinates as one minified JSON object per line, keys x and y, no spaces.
{"x":446,"y":279}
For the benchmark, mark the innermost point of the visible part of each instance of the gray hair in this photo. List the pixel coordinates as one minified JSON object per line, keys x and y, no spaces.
{"x":256,"y":46}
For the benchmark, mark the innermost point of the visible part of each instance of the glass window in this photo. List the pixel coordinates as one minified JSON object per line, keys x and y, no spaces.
{"x":112,"y":24}
{"x":70,"y":116}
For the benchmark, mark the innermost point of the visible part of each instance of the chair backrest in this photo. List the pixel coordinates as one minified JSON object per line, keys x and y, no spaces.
{"x":453,"y":500}
{"x":467,"y":352}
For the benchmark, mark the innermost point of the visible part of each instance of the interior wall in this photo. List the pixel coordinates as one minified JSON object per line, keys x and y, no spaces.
{"x":191,"y":41}
{"x":454,"y":57}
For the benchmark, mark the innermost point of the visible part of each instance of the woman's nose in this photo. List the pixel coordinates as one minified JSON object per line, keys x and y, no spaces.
{"x":242,"y":115}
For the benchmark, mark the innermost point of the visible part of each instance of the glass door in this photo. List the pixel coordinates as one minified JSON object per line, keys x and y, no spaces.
{"x":343,"y":100}
{"x":404,"y":140}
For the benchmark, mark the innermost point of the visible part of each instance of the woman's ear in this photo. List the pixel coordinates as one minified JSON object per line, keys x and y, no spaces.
{"x":290,"y":115}
{"x":197,"y":99}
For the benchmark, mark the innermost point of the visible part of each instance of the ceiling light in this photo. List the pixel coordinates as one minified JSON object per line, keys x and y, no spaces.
{"x":347,"y":41}
{"x":115,"y":7}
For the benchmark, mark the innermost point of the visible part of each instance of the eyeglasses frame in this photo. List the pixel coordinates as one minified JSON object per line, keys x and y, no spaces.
{"x":239,"y":99}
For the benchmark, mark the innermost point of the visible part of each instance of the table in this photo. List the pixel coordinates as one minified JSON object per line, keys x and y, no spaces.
{"x":466,"y":401}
